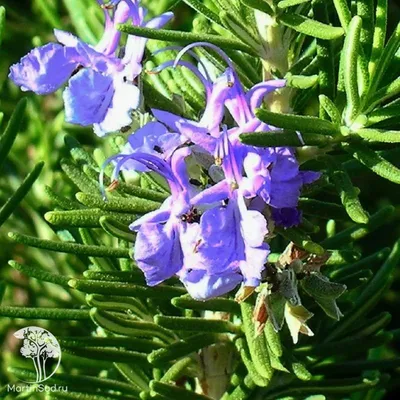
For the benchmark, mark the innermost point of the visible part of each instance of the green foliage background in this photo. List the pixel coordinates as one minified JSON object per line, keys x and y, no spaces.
{"x":358,"y":369}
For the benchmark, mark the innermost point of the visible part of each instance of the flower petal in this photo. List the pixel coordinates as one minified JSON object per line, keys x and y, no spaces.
{"x":215,"y":107}
{"x":286,"y":217}
{"x":159,"y":21}
{"x":309,"y":176}
{"x":152,"y":138}
{"x":202,"y":286}
{"x":216,"y":193}
{"x":43,"y":70}
{"x":88,"y":97}
{"x":158,"y":252}
{"x":125,"y":98}
{"x":257,"y":93}
{"x":86,"y":55}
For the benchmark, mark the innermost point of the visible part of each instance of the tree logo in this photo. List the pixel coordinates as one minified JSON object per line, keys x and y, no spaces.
{"x":43,"y":348}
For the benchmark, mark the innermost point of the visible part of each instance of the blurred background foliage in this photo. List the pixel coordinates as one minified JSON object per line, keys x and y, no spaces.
{"x":42,"y":138}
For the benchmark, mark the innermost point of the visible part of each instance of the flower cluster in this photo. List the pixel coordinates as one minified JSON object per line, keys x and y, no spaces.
{"x":211,"y":232}
{"x":101,"y":87}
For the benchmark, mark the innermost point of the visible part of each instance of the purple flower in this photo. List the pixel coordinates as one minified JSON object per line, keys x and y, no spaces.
{"x":153,"y":138}
{"x":286,"y":216}
{"x":229,"y":239}
{"x":158,"y":250}
{"x":102,"y":93}
{"x":206,"y":131}
{"x":212,"y":239}
{"x":271,"y":173}
{"x":43,"y":70}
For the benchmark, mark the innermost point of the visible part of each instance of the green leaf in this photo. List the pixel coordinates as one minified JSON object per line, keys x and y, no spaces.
{"x":344,"y":346}
{"x":44,"y":313}
{"x":12,"y":129}
{"x":12,"y":203}
{"x":124,"y":356}
{"x":371,"y":294}
{"x":61,"y":201}
{"x":2,"y":22}
{"x":324,"y":292}
{"x":244,"y":391}
{"x":379,"y":135}
{"x":186,"y":37}
{"x":348,"y":193}
{"x":343,"y":12}
{"x":176,"y":370}
{"x":79,"y":154}
{"x":301,"y":239}
{"x":141,"y":345}
{"x":382,"y":276}
{"x":73,"y":248}
{"x":301,"y":371}
{"x":384,"y":94}
{"x":40,"y":273}
{"x":217,"y":304}
{"x":85,"y":218}
{"x":117,"y":229}
{"x":84,"y":396}
{"x":137,"y":191}
{"x":49,"y":13}
{"x":334,"y":387}
{"x":118,"y":303}
{"x":257,"y":345}
{"x":126,"y":326}
{"x":341,"y":257}
{"x":125,"y":289}
{"x":301,"y":81}
{"x":357,"y":232}
{"x":290,"y":3}
{"x":373,"y":325}
{"x":304,"y":124}
{"x":365,"y":9}
{"x":351,"y":50}
{"x":325,"y":57}
{"x":260,"y":5}
{"x":383,"y":114}
{"x":182,"y":348}
{"x":134,"y":276}
{"x":196,"y":324}
{"x":309,"y":27}
{"x":79,"y":178}
{"x":378,"y":43}
{"x":78,"y":13}
{"x":273,"y":339}
{"x":118,"y":204}
{"x":357,"y":279}
{"x":156,"y":99}
{"x":203,"y":10}
{"x":374,"y":161}
{"x":244,"y":352}
{"x":384,"y":62}
{"x":322,"y":209}
{"x":367,"y":262}
{"x":292,"y":139}
{"x":357,"y":367}
{"x":239,"y":30}
{"x":330,"y":109}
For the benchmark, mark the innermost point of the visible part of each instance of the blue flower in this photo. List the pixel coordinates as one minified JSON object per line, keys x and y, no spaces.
{"x":102,"y":92}
{"x":153,"y":138}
